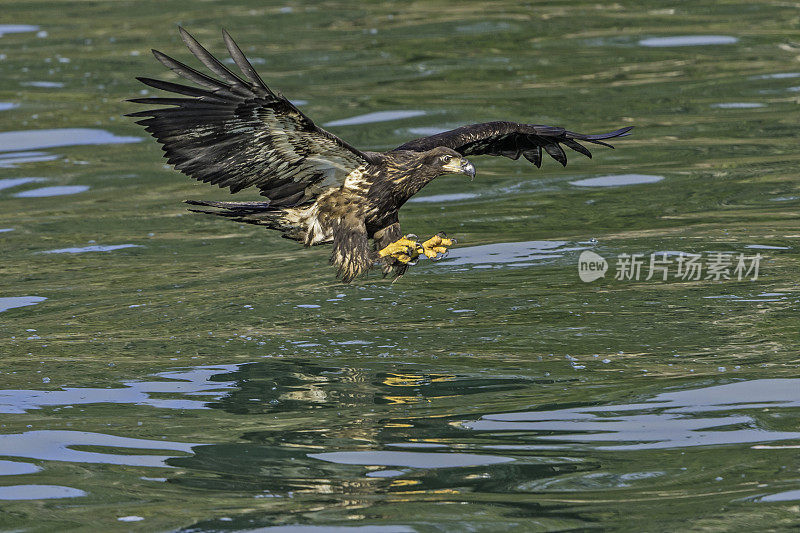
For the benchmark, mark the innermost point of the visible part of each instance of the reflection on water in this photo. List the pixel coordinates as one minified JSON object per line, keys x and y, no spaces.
{"x":5,"y":106}
{"x":92,"y":248}
{"x":305,"y":430}
{"x":410,"y":459}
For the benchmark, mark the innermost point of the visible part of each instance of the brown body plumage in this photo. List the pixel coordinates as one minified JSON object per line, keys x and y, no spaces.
{"x":238,"y":133}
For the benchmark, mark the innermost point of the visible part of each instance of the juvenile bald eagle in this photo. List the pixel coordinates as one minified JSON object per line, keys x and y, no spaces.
{"x":238,"y":133}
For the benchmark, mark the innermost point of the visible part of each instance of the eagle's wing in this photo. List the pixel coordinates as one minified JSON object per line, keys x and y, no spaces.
{"x":511,"y":139}
{"x":236,"y":133}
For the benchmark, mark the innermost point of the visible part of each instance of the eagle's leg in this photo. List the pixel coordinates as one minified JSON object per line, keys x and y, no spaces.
{"x":405,"y":249}
{"x":383,"y":238}
{"x":436,"y":247}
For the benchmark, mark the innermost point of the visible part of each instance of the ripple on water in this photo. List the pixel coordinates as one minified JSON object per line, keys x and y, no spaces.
{"x":509,"y":253}
{"x":485,"y":26}
{"x":11,"y":141}
{"x":766,"y":247}
{"x":15,"y":468}
{"x":669,"y":420}
{"x":788,"y":496}
{"x":5,"y":106}
{"x":16,"y":182}
{"x":130,"y":518}
{"x":12,"y":159}
{"x":386,"y":473}
{"x":94,"y":248}
{"x":17,"y":28}
{"x":19,"y":301}
{"x":454,"y":197}
{"x":58,"y":190}
{"x":778,"y":76}
{"x":427,"y":131}
{"x":617,"y":180}
{"x":738,"y":105}
{"x":378,"y":116}
{"x":688,"y":40}
{"x":302,"y":528}
{"x":57,"y":445}
{"x":38,"y":492}
{"x":5,"y":230}
{"x":43,"y":84}
{"x":193,"y":382}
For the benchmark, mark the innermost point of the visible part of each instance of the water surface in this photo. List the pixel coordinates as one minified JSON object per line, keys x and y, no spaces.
{"x":167,"y":371}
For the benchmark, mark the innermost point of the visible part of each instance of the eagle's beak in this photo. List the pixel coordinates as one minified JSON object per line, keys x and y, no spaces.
{"x":468,"y":169}
{"x":460,"y":166}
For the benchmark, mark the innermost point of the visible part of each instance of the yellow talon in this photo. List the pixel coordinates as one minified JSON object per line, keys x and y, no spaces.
{"x":407,"y":249}
{"x":436,"y":245}
{"x":404,"y":249}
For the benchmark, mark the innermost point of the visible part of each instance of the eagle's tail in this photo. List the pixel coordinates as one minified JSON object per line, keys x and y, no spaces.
{"x":260,"y":213}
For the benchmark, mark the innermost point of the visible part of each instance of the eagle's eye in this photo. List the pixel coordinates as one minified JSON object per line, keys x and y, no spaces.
{"x":446,"y":159}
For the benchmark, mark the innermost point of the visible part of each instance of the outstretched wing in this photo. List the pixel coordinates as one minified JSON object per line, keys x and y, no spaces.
{"x":511,"y":139}
{"x":237,"y":134}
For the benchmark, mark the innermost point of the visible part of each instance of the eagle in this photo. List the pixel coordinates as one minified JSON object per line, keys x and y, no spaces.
{"x":233,"y":131}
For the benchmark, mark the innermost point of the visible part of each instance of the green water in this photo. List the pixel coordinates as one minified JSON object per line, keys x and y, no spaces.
{"x":215,"y":377}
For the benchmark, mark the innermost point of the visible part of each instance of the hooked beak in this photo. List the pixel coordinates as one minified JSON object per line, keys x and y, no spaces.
{"x":460,"y":166}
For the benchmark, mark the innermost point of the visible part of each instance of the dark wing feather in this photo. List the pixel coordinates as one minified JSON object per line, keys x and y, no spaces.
{"x":511,"y":139}
{"x":238,"y":133}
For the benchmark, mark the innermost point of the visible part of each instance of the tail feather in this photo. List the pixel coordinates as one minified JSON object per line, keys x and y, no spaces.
{"x":248,"y":206}
{"x":260,"y":213}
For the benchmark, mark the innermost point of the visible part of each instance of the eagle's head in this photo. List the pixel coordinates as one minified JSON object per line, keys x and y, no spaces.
{"x":407,"y":172}
{"x":448,"y":161}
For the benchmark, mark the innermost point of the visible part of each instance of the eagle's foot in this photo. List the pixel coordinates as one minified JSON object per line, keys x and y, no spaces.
{"x":406,"y":249}
{"x":436,"y":247}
